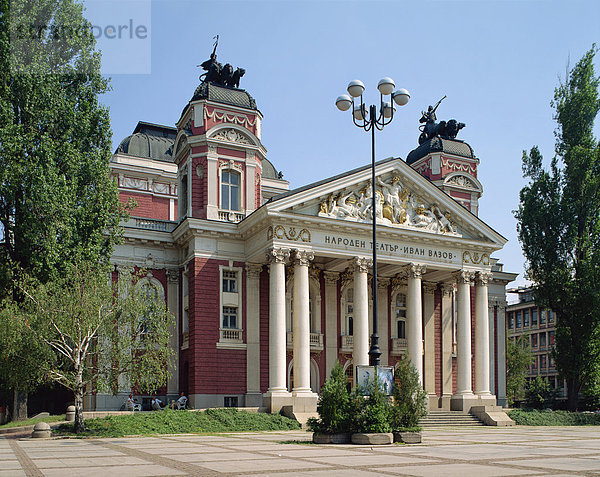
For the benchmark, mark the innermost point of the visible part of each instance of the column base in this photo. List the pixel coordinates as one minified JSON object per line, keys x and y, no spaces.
{"x":254,"y":399}
{"x":434,"y":402}
{"x":445,"y":402}
{"x":464,"y":402}
{"x":304,"y":401}
{"x":275,"y":400}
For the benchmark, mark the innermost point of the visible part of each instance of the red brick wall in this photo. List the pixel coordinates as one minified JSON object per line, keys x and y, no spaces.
{"x":264,"y":331}
{"x":148,"y":206}
{"x":473,"y":344}
{"x":199,"y":188}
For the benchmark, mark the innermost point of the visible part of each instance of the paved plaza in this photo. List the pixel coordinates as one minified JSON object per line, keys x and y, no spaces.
{"x":476,"y":451}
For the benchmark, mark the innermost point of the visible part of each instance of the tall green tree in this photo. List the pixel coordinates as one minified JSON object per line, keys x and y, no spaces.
{"x":559,"y":227}
{"x":98,"y":330}
{"x":58,"y":204}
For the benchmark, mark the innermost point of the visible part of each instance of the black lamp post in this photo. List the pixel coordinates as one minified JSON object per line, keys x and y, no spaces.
{"x":369,"y":122}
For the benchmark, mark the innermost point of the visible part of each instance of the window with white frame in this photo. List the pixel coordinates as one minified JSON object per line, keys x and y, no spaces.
{"x":349,"y":311}
{"x":400,"y":315}
{"x":152,"y":298}
{"x":230,"y":317}
{"x":230,"y":190}
{"x":229,"y":282}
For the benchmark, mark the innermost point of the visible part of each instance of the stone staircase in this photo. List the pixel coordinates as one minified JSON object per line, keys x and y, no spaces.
{"x":448,"y":419}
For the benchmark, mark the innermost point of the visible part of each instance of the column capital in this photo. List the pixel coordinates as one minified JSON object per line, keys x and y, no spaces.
{"x":277,"y":255}
{"x":447,"y":288}
{"x":361,"y":264}
{"x":429,"y":287}
{"x":172,"y":276}
{"x":253,"y":270}
{"x":415,"y":270}
{"x":463,"y":276}
{"x":331,"y":278}
{"x":302,"y":257}
{"x":482,"y":278}
{"x":383,"y":282}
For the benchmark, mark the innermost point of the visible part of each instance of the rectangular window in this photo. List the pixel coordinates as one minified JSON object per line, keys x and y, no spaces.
{"x":552,"y":338}
{"x":230,"y":317}
{"x":543,"y":361}
{"x":510,"y":320}
{"x":230,"y":401}
{"x":543,"y":317}
{"x":534,"y":340}
{"x":518,"y":319}
{"x":401,"y":329}
{"x":525,"y":318}
{"x":551,"y":316}
{"x":229,"y":281}
{"x":534,"y":317}
{"x":543,"y":340}
{"x":230,"y":190}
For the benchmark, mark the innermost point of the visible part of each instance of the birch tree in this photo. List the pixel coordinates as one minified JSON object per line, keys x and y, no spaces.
{"x":99,"y":330}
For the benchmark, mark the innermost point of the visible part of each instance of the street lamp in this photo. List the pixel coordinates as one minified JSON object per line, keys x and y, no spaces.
{"x":369,"y":122}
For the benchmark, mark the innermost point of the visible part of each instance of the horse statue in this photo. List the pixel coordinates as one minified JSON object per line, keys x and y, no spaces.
{"x":431,"y":128}
{"x":218,"y":74}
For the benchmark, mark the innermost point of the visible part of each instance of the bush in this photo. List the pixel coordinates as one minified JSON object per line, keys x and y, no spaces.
{"x":334,"y":405}
{"x":410,"y":399}
{"x":371,"y":409}
{"x":539,"y":394}
{"x":534,"y":417}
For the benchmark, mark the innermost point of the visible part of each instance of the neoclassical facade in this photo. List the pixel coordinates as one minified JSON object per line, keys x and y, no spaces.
{"x":270,"y":286}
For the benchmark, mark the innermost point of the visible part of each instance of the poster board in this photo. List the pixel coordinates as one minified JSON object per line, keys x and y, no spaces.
{"x":385,"y":376}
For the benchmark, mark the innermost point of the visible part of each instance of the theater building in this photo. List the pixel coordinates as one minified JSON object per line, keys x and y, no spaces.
{"x":270,"y":286}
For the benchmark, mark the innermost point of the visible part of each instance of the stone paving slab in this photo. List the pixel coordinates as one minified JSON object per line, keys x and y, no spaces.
{"x":478,"y":452}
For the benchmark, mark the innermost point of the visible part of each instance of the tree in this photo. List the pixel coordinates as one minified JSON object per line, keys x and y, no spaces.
{"x":57,"y":201}
{"x":334,"y":404}
{"x":99,"y":330}
{"x":538,"y":393}
{"x":518,"y":359}
{"x":410,"y":399}
{"x":559,"y":227}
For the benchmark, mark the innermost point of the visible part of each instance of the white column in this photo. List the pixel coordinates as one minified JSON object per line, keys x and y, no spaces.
{"x":383,"y":300}
{"x":301,"y":328}
{"x":501,"y":344}
{"x":331,"y":321}
{"x":277,"y":332}
{"x":482,"y":335}
{"x":429,"y":340}
{"x":253,"y":394}
{"x":463,"y":333}
{"x":360,"y":353}
{"x":414,"y":317}
{"x":447,"y":343}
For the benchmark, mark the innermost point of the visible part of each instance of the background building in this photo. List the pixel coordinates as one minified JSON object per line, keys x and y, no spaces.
{"x":535,"y":325}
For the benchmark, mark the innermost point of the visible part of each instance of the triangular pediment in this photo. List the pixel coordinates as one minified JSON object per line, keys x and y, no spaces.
{"x":405,"y":201}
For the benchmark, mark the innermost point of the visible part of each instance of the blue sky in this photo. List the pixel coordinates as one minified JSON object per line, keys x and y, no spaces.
{"x":498,"y":62}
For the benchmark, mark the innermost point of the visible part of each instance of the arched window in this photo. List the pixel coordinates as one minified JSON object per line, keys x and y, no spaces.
{"x":230,"y":190}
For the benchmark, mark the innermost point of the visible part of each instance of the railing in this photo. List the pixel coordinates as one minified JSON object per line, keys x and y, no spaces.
{"x":347,"y":342}
{"x":231,"y":335}
{"x":399,"y":345}
{"x":227,"y":216}
{"x":315,"y":340}
{"x":151,"y":224}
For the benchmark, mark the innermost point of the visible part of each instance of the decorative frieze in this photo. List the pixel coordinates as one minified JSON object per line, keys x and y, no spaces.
{"x":293,"y":234}
{"x":476,"y":258}
{"x":231,"y":135}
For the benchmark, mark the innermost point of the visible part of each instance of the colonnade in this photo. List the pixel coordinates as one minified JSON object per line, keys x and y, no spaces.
{"x":300,"y":260}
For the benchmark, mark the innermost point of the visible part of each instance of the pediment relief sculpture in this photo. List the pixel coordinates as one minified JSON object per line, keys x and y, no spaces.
{"x":231,"y":135}
{"x":462,"y":181}
{"x":396,"y":206}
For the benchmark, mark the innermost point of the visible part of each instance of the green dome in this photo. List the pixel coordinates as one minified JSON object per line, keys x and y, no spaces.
{"x":149,"y":140}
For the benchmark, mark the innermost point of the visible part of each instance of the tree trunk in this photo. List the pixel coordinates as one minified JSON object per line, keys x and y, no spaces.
{"x":572,"y":394}
{"x":19,"y":405}
{"x":79,"y":424}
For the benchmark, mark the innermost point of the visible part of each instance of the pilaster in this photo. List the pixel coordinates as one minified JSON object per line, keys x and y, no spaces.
{"x":429,"y":341}
{"x":253,"y":394}
{"x":331,"y":314}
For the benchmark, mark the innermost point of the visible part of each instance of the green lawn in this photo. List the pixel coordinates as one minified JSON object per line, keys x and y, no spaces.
{"x":176,"y":422}
{"x":31,"y":422}
{"x":533,"y":417}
